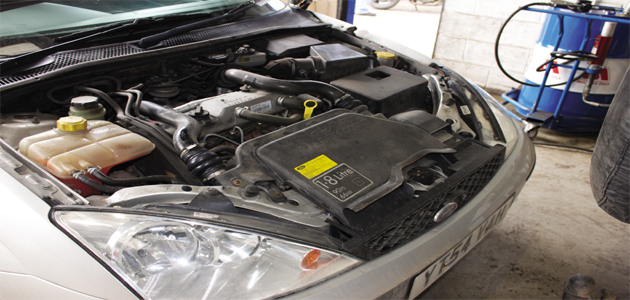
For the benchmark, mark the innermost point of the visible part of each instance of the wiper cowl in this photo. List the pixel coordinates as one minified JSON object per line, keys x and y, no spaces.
{"x":153,"y":40}
{"x":27,"y":61}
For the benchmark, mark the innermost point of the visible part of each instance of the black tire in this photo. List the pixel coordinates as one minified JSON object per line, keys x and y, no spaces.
{"x":610,"y":165}
{"x":383,"y":4}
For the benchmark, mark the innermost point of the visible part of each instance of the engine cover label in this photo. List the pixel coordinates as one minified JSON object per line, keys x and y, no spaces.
{"x":316,"y":166}
{"x":342,"y":182}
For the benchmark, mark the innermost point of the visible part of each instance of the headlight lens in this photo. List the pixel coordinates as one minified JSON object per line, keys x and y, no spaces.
{"x":167,"y":258}
{"x":509,"y":128}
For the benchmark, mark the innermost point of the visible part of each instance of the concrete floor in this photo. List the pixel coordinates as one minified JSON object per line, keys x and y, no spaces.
{"x":554,"y":230}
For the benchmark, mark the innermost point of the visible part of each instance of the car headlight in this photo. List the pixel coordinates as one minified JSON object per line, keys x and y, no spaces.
{"x":507,"y":124}
{"x":169,"y":258}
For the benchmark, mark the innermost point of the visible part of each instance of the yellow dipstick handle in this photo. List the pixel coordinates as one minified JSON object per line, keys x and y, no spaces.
{"x":309,"y":106}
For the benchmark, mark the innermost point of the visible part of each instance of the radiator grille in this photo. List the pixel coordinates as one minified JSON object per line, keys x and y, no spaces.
{"x":421,"y":220}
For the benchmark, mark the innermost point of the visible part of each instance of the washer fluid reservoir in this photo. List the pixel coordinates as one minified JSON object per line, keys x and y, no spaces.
{"x":77,"y":144}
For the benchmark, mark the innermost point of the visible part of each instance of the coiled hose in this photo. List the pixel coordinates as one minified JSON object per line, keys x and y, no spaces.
{"x":498,"y":38}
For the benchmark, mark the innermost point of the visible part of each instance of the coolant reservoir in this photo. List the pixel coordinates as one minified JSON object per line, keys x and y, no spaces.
{"x":77,"y":144}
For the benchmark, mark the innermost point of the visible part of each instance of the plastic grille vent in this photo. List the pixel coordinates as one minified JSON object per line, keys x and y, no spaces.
{"x":66,"y":59}
{"x":421,"y":220}
{"x":219,"y":32}
{"x":287,"y":20}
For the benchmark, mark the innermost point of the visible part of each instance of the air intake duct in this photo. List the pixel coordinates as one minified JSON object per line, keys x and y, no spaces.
{"x":201,"y":162}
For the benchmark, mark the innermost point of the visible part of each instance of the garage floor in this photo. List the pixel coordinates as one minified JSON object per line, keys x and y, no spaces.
{"x":554,"y":230}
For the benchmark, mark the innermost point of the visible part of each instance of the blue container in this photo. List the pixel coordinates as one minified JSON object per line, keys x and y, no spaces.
{"x":574,"y":115}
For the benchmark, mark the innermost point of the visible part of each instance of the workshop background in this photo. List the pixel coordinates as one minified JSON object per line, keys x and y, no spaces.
{"x":555,"y":228}
{"x":467,"y":33}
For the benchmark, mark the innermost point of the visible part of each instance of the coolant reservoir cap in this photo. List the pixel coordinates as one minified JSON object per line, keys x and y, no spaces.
{"x":385,"y":55}
{"x":72,"y":123}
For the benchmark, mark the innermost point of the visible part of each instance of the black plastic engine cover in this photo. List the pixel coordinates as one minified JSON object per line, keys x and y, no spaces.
{"x":386,"y":90}
{"x":293,"y":45}
{"x":340,"y":160}
{"x":337,"y":61}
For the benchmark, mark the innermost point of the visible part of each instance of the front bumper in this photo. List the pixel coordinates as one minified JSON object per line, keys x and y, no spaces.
{"x":391,"y":275}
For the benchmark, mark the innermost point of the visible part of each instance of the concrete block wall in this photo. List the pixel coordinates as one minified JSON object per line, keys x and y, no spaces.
{"x":467,"y":33}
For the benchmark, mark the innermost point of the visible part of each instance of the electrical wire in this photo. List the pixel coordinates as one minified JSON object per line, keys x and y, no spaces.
{"x":91,"y":81}
{"x":496,"y":48}
{"x":241,"y":130}
{"x":221,"y":137}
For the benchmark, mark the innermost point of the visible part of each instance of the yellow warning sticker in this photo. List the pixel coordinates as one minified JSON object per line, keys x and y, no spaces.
{"x":316,"y":166}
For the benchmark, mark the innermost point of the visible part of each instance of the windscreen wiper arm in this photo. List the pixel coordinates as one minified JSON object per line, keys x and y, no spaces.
{"x":32,"y":59}
{"x":155,"y":39}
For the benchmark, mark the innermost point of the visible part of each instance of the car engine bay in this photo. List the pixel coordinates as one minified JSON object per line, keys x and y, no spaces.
{"x":291,"y":128}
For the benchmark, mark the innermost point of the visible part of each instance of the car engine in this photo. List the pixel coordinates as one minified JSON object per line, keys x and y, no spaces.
{"x":303,"y":129}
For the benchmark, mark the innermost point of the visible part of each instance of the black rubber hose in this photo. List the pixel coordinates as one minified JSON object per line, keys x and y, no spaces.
{"x":338,"y":97}
{"x":199,"y":161}
{"x":183,"y":123}
{"x":267,"y":119}
{"x":295,"y":103}
{"x":139,"y":95}
{"x":120,"y":114}
{"x":93,"y":184}
{"x":130,"y":100}
{"x":92,"y":82}
{"x":227,"y":149}
{"x":496,"y":47}
{"x":202,"y":163}
{"x":156,"y":179}
{"x":152,"y":129}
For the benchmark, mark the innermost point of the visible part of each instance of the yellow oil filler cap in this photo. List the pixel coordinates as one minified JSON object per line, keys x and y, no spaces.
{"x":72,"y":123}
{"x":309,"y":107}
{"x":385,"y":55}
{"x":385,"y":58}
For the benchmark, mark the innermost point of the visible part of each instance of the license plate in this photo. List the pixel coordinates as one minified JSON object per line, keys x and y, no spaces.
{"x":444,"y":263}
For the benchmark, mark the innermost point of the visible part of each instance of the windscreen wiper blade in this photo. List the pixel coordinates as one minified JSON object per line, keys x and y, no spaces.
{"x":155,"y":39}
{"x":171,"y":17}
{"x":35,"y":58}
{"x":86,"y":32}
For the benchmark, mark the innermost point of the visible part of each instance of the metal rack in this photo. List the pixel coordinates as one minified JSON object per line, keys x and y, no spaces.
{"x":533,"y":116}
